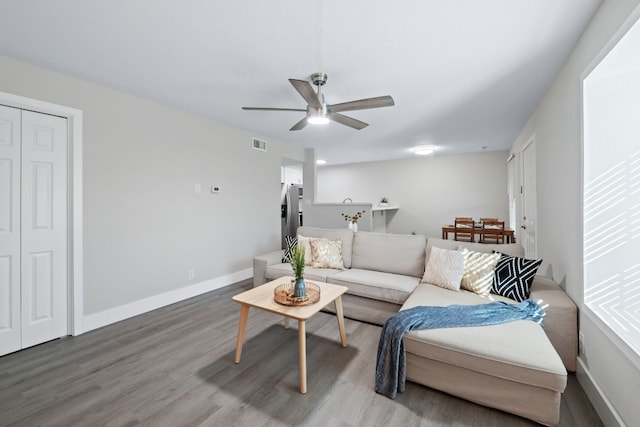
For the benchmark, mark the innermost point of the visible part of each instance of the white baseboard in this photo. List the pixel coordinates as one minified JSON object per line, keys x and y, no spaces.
{"x":601,"y":403}
{"x":116,"y":314}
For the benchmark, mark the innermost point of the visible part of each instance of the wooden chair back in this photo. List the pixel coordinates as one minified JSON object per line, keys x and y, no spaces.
{"x":492,"y":231}
{"x":463,"y":229}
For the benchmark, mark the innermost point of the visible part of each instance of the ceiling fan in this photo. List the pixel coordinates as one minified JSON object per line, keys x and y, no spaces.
{"x":318,"y":112}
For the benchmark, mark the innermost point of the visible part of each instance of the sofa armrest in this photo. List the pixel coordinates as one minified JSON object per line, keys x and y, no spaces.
{"x":260,"y":264}
{"x":561,"y":320}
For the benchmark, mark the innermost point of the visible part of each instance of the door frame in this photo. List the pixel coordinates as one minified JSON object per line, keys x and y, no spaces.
{"x":75,"y":284}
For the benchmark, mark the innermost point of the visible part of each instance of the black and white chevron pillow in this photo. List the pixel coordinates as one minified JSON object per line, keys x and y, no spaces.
{"x":514,"y":276}
{"x":290,"y":244}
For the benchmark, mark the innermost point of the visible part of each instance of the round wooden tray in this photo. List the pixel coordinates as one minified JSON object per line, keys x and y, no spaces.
{"x":283,"y":294}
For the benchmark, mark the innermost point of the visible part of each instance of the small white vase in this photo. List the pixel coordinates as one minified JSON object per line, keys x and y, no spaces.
{"x":350,"y":225}
{"x":355,"y":226}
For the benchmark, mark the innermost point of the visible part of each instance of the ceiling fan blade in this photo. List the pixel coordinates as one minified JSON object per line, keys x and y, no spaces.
{"x":362,"y":104}
{"x":300,"y":125}
{"x":272,"y":109}
{"x":306,"y":91}
{"x":348,"y":121}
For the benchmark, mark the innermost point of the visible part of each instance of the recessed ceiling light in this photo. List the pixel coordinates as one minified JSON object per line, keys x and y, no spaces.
{"x":321,"y":162}
{"x":423,"y":150}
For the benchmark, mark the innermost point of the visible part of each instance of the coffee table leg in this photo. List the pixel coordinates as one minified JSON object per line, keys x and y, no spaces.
{"x":340,"y":316}
{"x":302,"y":349}
{"x":286,"y":323}
{"x":242,"y":326}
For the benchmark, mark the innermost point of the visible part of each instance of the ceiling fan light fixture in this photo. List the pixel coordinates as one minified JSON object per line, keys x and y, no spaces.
{"x":317,"y":116}
{"x":318,"y":120}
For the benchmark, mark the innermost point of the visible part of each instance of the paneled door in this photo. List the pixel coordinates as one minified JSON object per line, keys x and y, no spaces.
{"x":529,"y":205}
{"x":33,"y":270}
{"x":10,"y":312}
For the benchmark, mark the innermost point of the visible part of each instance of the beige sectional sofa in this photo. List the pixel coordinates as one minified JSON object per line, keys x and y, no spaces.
{"x":517,"y":367}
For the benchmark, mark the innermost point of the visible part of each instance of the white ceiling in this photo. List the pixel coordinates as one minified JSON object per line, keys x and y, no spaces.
{"x":464,"y":74}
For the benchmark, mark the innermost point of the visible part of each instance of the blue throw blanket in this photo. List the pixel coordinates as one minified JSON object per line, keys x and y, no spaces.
{"x":391,"y":361}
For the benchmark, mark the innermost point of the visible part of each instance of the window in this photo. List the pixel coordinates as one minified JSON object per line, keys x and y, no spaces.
{"x":611,"y":189}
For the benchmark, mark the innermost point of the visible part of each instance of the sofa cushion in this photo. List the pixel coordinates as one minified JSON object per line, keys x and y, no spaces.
{"x":327,"y":253}
{"x":275,"y":271}
{"x":290,"y":243}
{"x":517,"y":351}
{"x":390,"y":253}
{"x":344,"y":234}
{"x":513,"y":277}
{"x":394,"y":288}
{"x":305,"y":243}
{"x":445,"y":268}
{"x":479,"y":271}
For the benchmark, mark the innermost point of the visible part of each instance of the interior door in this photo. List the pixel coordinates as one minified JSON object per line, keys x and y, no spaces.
{"x":512,"y":194}
{"x":10,"y":331}
{"x":528,"y":224}
{"x":43,"y":228}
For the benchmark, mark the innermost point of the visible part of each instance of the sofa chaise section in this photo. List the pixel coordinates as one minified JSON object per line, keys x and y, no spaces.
{"x":510,"y":366}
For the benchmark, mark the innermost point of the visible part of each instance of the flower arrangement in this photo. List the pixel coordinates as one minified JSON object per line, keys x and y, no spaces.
{"x":353,"y":218}
{"x":297,"y":261}
{"x":384,"y":199}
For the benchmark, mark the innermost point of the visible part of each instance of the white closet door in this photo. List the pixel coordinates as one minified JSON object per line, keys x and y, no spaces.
{"x":10,"y":331}
{"x":44,"y":228}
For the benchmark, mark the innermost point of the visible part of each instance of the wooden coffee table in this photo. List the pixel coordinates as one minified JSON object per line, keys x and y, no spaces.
{"x":262,"y":297}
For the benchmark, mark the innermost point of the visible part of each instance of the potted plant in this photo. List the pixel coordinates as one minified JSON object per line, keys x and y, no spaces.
{"x":383,"y":201}
{"x":297,"y":263}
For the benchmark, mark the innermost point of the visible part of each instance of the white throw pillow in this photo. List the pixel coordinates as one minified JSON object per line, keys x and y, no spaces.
{"x":305,"y":242}
{"x":479,"y":269}
{"x":327,"y":254}
{"x":445,"y":268}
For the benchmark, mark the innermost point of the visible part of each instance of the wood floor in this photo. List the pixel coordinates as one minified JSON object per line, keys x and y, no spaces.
{"x":174,"y":367}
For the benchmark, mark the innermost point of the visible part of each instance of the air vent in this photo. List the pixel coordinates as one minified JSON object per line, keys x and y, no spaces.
{"x":259,"y":144}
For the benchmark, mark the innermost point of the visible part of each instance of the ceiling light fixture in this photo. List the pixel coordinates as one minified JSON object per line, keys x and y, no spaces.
{"x":317,"y":116}
{"x":318,"y":120}
{"x":423,"y":150}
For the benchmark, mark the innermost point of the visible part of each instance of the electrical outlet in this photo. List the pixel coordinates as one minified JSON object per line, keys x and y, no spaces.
{"x":190,"y":274}
{"x":581,"y":343}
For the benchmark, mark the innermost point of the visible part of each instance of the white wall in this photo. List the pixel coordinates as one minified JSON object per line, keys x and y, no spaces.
{"x":608,"y":373}
{"x":144,"y":226}
{"x":430,"y":191}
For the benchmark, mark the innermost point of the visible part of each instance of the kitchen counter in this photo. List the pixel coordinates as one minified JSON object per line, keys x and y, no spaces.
{"x":328,"y":215}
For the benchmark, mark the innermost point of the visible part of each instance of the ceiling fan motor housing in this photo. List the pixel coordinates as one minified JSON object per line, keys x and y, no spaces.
{"x":318,"y":79}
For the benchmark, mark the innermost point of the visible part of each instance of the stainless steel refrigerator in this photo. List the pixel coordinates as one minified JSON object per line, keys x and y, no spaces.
{"x":290,"y":212}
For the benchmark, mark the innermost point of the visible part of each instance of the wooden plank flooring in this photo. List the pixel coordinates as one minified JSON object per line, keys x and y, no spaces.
{"x":174,"y":367}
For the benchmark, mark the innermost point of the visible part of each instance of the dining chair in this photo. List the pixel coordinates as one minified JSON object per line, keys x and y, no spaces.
{"x":463,"y":229}
{"x":492,"y":231}
{"x":488,"y":219}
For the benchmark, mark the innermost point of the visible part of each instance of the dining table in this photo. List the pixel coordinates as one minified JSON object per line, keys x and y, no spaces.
{"x":509,"y":234}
